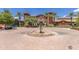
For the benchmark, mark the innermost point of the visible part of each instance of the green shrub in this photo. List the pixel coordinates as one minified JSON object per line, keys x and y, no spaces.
{"x":50,"y":25}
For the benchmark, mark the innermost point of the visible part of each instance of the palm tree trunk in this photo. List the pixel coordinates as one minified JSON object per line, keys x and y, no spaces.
{"x":71,"y":21}
{"x":54,"y":19}
{"x":47,"y":21}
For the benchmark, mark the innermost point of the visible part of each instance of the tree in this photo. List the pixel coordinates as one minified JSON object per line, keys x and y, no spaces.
{"x":77,"y":19}
{"x":19,"y":17}
{"x":6,"y":17}
{"x":71,"y":17}
{"x":2,"y":21}
{"x":52,"y":15}
{"x":30,"y":20}
{"x":48,"y":16}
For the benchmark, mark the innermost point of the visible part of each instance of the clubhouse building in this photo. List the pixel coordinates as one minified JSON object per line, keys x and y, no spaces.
{"x":51,"y":20}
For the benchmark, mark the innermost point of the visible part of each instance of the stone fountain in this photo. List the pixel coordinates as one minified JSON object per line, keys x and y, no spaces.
{"x":41,"y":31}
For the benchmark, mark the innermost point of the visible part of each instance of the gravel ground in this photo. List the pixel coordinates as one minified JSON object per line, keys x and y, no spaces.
{"x":19,"y":40}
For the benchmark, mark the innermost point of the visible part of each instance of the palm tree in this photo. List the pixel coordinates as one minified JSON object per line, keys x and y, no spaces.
{"x":71,"y":17}
{"x":47,"y":20}
{"x":19,"y":17}
{"x":6,"y":11}
{"x":52,"y":15}
{"x":77,"y":20}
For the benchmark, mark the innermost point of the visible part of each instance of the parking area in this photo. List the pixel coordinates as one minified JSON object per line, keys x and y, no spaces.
{"x":17,"y":39}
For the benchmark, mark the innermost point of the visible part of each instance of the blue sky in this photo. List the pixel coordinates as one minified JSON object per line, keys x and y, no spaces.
{"x":36,"y":11}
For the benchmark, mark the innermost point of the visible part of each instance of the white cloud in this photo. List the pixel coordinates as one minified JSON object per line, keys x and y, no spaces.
{"x":76,"y":10}
{"x":64,"y":15}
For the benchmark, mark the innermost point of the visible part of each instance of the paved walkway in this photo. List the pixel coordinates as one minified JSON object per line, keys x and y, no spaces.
{"x":19,"y":40}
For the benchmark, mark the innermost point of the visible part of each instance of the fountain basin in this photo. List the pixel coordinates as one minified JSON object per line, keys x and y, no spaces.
{"x":46,"y":33}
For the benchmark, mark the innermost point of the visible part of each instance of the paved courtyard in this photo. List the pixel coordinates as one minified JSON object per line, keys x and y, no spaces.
{"x":19,"y":40}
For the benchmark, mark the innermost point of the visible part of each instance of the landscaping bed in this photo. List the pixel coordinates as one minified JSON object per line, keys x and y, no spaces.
{"x":75,"y":28}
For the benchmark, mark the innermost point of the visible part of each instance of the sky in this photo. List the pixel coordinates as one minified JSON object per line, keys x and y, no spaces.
{"x":36,"y":11}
